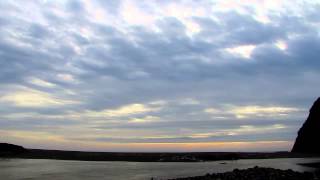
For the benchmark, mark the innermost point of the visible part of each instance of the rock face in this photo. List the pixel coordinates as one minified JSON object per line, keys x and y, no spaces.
{"x":308,"y":140}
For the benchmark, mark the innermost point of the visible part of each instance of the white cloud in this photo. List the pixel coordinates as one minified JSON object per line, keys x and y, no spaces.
{"x":134,"y":15}
{"x":127,"y":110}
{"x":242,"y":130}
{"x":244,"y":51}
{"x":144,"y":119}
{"x":158,"y":103}
{"x":262,"y":111}
{"x":27,"y":97}
{"x":245,"y":112}
{"x":212,"y":110}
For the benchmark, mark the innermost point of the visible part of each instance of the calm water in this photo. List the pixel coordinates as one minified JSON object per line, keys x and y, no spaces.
{"x":72,"y":170}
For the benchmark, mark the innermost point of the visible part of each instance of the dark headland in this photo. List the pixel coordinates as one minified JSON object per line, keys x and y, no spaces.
{"x":308,"y":140}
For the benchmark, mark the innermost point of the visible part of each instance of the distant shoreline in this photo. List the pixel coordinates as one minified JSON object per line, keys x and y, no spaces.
{"x":15,"y":151}
{"x":148,"y":157}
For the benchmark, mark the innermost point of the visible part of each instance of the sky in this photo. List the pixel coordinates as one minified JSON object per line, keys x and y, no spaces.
{"x":157,"y":75}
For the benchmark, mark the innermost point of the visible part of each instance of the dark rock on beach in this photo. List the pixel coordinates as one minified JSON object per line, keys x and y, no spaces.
{"x":309,"y":134}
{"x":257,"y":173}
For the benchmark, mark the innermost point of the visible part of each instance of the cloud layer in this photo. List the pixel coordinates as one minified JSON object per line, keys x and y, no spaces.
{"x":113,"y":73}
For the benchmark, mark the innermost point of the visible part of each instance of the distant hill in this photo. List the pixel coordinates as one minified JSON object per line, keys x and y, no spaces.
{"x":6,"y":149}
{"x":308,"y":140}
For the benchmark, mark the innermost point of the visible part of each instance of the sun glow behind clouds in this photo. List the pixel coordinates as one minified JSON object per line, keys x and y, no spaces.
{"x":244,"y":51}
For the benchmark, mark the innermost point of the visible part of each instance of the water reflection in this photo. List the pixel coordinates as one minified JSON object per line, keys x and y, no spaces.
{"x":56,"y":169}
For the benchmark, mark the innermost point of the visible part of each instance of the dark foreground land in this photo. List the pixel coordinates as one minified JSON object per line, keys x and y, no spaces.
{"x":14,"y":151}
{"x":258,"y":173}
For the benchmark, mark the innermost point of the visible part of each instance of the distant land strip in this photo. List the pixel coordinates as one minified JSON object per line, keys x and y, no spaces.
{"x":14,"y":151}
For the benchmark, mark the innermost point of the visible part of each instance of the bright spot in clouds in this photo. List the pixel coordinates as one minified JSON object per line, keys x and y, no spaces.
{"x":212,"y":110}
{"x":134,"y":15}
{"x":126,"y":110}
{"x":34,"y":98}
{"x":281,"y":45}
{"x":144,"y":119}
{"x":245,"y":111}
{"x":244,"y":51}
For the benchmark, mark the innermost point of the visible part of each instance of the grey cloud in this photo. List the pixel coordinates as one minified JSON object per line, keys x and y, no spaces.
{"x":282,"y":135}
{"x":112,"y":6}
{"x":39,"y":32}
{"x":75,"y":6}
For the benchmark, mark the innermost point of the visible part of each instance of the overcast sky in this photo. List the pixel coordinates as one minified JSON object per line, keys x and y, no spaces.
{"x":136,"y":75}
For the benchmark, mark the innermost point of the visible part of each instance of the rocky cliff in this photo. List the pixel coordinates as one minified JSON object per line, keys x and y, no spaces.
{"x":308,"y":140}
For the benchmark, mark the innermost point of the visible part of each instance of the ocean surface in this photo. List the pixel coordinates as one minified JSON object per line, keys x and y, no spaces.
{"x":40,"y":169}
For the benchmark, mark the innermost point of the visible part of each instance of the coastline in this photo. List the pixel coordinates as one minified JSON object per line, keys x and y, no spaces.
{"x":149,"y":157}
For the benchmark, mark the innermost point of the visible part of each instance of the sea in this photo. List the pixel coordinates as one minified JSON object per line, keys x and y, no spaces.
{"x":43,"y":169}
